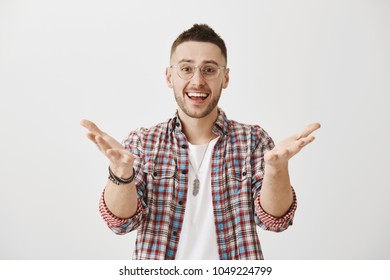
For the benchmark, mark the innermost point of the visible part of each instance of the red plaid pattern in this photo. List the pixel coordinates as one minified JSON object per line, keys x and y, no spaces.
{"x":161,"y":165}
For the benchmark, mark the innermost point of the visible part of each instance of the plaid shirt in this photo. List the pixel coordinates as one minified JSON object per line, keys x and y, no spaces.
{"x":237,"y":169}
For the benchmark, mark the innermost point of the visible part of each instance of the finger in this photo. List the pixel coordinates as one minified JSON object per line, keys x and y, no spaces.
{"x":304,"y":141}
{"x":91,"y":137}
{"x":103,"y":145}
{"x":300,"y":143}
{"x":92,"y":127}
{"x":308,"y":130}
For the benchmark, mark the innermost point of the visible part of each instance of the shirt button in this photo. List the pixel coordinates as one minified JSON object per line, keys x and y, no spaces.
{"x":243,"y":173}
{"x":184,"y":146}
{"x":180,"y":202}
{"x":177,"y":124}
{"x":155,"y":173}
{"x":184,"y":172}
{"x":174,"y":233}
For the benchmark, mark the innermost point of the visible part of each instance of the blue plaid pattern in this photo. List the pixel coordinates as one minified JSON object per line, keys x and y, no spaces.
{"x":161,"y":164}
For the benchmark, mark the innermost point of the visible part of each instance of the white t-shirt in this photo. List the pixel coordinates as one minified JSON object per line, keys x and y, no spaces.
{"x":198,"y":239}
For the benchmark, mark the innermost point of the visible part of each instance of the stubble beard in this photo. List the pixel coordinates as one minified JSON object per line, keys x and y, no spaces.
{"x":197,"y":114}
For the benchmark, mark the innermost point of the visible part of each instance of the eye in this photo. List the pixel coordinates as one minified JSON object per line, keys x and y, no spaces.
{"x":208,"y":69}
{"x":186,"y":69}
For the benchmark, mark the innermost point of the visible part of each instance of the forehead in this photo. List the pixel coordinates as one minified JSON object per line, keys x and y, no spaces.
{"x":198,"y":52}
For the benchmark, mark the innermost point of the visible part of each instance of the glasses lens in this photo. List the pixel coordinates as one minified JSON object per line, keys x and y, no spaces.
{"x":209,"y":71}
{"x":186,"y":71}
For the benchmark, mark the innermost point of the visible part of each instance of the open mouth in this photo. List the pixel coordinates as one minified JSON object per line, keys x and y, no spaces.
{"x":197,"y":96}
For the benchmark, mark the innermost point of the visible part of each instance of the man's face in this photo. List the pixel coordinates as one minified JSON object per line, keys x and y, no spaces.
{"x":197,"y":97}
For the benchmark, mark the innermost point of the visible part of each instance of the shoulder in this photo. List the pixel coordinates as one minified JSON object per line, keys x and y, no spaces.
{"x":252,"y":135}
{"x":153,"y":130}
{"x":147,"y":134}
{"x":253,"y":130}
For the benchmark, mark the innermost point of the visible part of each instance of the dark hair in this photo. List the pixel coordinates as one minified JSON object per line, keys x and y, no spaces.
{"x":200,"y":33}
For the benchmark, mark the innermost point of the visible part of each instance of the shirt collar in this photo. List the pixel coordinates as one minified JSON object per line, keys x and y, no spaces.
{"x":221,"y":125}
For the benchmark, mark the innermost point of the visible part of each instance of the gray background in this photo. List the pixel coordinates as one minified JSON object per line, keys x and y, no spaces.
{"x":292,"y":63}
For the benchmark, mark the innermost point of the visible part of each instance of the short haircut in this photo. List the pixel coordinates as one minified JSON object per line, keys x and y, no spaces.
{"x":200,"y":33}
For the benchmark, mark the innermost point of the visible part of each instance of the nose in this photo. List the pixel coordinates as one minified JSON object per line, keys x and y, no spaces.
{"x":197,"y":79}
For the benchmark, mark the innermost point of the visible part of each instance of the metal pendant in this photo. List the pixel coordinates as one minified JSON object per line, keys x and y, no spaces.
{"x":195,"y":190}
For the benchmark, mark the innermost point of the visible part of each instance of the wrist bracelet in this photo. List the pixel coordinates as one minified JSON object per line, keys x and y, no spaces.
{"x":117,"y":180}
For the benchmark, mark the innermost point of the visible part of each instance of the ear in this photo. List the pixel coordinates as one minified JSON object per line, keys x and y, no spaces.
{"x":168,"y":77}
{"x":226,"y":78}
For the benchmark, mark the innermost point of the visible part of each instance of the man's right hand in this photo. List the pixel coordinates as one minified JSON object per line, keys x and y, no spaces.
{"x":121,"y":161}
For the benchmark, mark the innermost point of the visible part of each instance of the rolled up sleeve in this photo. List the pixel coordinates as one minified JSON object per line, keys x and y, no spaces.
{"x":271,"y":223}
{"x":118,"y":225}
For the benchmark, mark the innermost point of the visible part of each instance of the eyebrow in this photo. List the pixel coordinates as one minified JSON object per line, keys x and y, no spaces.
{"x":203,"y":62}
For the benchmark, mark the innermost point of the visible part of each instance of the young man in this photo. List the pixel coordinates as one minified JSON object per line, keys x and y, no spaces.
{"x":196,"y":186}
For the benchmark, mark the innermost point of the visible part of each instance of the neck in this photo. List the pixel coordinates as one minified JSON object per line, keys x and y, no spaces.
{"x":198,"y":130}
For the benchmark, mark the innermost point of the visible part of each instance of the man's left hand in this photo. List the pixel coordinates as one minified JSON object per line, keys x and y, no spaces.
{"x":278,"y":157}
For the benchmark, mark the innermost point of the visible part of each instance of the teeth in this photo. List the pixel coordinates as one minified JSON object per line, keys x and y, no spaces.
{"x":197,"y":94}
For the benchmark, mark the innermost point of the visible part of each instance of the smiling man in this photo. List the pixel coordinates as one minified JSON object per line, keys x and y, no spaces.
{"x":197,"y":185}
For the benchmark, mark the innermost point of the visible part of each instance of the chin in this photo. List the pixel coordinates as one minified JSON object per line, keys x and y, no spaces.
{"x":199,"y":114}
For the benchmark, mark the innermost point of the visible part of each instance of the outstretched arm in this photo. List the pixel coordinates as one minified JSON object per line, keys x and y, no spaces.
{"x":121,"y":200}
{"x":276,"y":193}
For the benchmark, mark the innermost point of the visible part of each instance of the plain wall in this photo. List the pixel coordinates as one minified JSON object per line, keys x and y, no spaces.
{"x":292,"y":63}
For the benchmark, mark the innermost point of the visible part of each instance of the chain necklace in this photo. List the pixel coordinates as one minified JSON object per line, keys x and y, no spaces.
{"x":196,"y":183}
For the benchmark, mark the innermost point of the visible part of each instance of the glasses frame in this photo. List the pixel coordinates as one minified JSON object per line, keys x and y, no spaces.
{"x":199,"y":67}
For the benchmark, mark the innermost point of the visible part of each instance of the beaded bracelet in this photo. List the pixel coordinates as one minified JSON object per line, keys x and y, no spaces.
{"x":118,"y":180}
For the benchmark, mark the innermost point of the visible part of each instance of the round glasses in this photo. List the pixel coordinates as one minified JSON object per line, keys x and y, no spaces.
{"x":208,"y":71}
